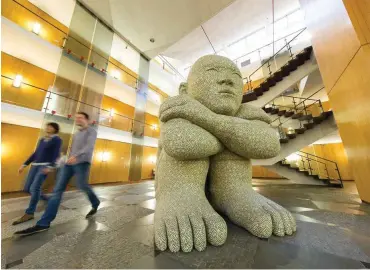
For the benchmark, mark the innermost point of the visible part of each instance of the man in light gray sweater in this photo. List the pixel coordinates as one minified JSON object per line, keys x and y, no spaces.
{"x":78,"y":164}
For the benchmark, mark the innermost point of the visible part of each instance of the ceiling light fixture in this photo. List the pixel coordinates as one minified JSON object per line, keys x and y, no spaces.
{"x":17,"y":81}
{"x":36,"y":28}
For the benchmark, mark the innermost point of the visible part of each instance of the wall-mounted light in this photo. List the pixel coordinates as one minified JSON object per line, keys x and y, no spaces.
{"x":116,"y":74}
{"x":17,"y":80}
{"x":104,"y":156}
{"x":153,"y":159}
{"x":36,"y":28}
{"x":154,"y":126}
{"x":111,"y":112}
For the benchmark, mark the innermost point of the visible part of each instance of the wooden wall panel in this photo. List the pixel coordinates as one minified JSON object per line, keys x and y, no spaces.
{"x":334,"y":40}
{"x":148,"y":162}
{"x":262,"y":172}
{"x":25,"y":96}
{"x":359,"y":13}
{"x":152,"y":126}
{"x":17,"y":144}
{"x":111,"y":162}
{"x":26,"y":19}
{"x":118,"y":121}
{"x":350,"y":100}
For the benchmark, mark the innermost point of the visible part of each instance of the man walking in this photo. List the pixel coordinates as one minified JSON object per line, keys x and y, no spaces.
{"x":43,"y":161}
{"x":77,"y":164}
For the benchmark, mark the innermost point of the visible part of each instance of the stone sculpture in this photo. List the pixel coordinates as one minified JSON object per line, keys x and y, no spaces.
{"x":206,"y":130}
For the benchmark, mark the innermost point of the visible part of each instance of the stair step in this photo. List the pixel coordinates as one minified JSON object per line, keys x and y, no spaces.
{"x":327,"y":114}
{"x":305,"y":117}
{"x":265,"y":86}
{"x":271,"y":82}
{"x":268,"y":109}
{"x":250,"y":96}
{"x":274,"y":111}
{"x":289,"y":114}
{"x":318,"y":119}
{"x":278,"y":76}
{"x":297,"y":115}
{"x":300,"y":59}
{"x":285,"y":70}
{"x":300,"y":130}
{"x":258,"y":91}
{"x":284,"y":140}
{"x":281,"y":113}
{"x":309,"y":125}
{"x":293,"y":64}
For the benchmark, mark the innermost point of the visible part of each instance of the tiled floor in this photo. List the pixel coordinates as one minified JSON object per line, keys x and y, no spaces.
{"x":333,"y":232}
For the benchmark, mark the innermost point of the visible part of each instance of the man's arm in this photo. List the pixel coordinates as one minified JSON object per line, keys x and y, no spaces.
{"x":185,"y":141}
{"x":32,"y":156}
{"x":250,"y":139}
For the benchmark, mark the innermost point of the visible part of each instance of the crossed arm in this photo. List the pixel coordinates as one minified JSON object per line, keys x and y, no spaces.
{"x":192,"y":133}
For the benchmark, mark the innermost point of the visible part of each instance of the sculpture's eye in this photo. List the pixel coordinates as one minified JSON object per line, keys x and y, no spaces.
{"x":211,"y":69}
{"x":237,"y":74}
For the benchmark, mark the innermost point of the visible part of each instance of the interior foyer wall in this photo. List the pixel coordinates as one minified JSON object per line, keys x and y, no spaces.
{"x":340,"y":33}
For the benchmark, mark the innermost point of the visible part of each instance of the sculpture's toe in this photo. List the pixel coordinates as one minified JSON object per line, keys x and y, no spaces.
{"x":277,"y":221}
{"x":259,"y":223}
{"x":216,"y":229}
{"x":288,"y":219}
{"x":172,"y":230}
{"x":160,"y":236}
{"x":186,"y":234}
{"x":199,"y":232}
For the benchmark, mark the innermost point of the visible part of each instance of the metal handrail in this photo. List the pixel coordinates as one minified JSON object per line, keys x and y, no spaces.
{"x":275,"y":53}
{"x":296,"y":105}
{"x":90,"y":49}
{"x":75,"y":100}
{"x":326,"y":168}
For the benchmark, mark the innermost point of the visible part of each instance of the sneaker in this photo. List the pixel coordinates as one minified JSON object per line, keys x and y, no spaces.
{"x":32,"y":230}
{"x":92,"y":212}
{"x":24,"y":218}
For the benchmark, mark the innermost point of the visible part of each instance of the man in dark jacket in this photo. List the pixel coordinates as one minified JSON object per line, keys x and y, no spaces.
{"x":43,"y":161}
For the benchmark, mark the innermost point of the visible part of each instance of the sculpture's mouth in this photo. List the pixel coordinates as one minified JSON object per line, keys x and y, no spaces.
{"x":227,"y":92}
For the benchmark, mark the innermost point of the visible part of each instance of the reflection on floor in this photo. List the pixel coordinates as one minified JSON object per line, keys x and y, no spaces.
{"x":333,"y":232}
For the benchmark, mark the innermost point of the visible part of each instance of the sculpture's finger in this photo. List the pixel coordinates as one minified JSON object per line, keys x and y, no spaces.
{"x":172,"y":230}
{"x":216,"y":230}
{"x":186,"y":234}
{"x":199,"y":232}
{"x":160,"y":236}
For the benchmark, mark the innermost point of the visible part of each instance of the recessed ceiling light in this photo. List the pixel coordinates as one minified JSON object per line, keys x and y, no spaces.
{"x":152,"y":40}
{"x":36,"y":28}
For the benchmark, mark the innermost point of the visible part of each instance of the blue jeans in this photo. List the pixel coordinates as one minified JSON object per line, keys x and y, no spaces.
{"x":82,"y":172}
{"x":33,"y":184}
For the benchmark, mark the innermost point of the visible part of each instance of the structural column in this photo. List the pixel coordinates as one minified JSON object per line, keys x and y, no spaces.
{"x":138,"y":125}
{"x":340,"y":31}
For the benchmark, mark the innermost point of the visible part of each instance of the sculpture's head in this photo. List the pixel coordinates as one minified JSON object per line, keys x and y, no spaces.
{"x":216,"y":82}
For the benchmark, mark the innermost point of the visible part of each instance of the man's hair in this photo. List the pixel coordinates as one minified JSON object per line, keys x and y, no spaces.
{"x":84,"y":114}
{"x":54,"y":125}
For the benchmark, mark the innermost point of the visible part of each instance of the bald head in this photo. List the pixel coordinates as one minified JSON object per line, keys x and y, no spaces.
{"x":216,"y":82}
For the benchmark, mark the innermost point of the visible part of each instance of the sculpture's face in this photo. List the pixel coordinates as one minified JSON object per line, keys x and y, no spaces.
{"x":216,"y":82}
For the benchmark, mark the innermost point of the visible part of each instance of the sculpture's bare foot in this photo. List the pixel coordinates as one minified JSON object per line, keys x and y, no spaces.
{"x":259,"y":215}
{"x":184,"y":220}
{"x":233,"y":195}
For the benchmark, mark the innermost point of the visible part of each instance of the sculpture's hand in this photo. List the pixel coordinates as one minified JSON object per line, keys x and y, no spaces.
{"x":185,"y":107}
{"x":249,"y":112}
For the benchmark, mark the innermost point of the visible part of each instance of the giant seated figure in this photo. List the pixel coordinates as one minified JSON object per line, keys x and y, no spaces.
{"x":207,"y":133}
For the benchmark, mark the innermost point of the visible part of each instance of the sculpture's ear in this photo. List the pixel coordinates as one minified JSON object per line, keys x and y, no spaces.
{"x":183,"y":88}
